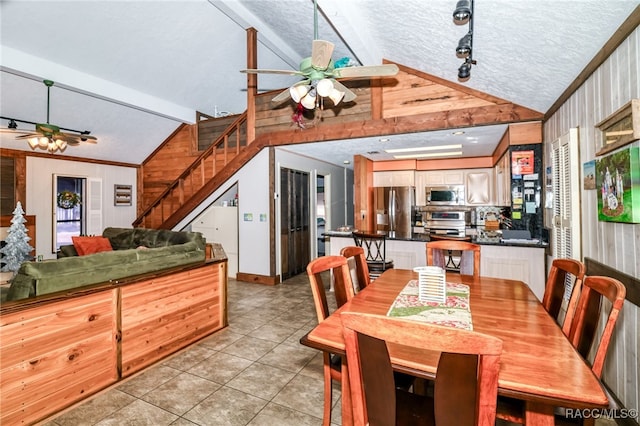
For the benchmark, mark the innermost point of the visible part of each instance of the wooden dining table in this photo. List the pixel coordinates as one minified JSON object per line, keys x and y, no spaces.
{"x":538,"y":364}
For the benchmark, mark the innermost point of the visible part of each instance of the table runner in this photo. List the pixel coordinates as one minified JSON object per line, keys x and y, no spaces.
{"x":453,"y":313}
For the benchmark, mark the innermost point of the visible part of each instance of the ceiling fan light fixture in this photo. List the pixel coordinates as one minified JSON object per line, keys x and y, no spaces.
{"x":309,"y":100}
{"x":324,"y":87}
{"x":298,"y":92}
{"x":336,"y":96}
{"x":462,"y":11}
{"x":33,"y":142}
{"x":61,"y":144}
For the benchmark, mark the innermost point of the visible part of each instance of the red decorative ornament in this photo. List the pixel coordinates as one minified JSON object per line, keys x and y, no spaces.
{"x":298,"y":116}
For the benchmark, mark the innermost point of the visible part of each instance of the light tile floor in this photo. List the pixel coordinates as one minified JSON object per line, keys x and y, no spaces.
{"x":254,"y":372}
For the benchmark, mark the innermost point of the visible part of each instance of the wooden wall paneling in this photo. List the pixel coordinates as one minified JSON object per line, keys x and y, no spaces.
{"x":7,"y":185}
{"x":209,"y":130}
{"x":363,"y":192}
{"x":167,"y":163}
{"x":164,"y":314}
{"x":14,"y":188}
{"x":70,"y":342}
{"x":614,"y":244}
{"x":415,"y":95}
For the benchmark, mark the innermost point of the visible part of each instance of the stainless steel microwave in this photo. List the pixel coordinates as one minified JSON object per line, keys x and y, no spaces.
{"x":445,"y":195}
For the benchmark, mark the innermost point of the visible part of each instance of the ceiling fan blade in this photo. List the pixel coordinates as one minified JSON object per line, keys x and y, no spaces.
{"x":75,"y":139}
{"x":28,"y":135}
{"x":16,"y":131}
{"x":321,"y":52}
{"x":366,"y":71}
{"x":281,"y":97}
{"x":348,"y":94}
{"x":266,"y":71}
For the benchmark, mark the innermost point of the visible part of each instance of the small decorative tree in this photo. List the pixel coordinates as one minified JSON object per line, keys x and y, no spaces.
{"x":17,"y":246}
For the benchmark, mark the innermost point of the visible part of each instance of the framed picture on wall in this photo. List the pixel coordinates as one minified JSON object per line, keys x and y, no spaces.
{"x":618,"y":185}
{"x":121,"y":195}
{"x":589,"y":175}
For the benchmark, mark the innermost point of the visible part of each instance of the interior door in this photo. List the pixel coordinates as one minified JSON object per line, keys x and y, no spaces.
{"x":295,"y":221}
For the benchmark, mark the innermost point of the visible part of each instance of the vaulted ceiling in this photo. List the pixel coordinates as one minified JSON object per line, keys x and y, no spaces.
{"x":132,"y":71}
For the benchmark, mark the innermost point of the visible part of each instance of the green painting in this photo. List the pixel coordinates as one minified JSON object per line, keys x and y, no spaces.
{"x":618,"y":185}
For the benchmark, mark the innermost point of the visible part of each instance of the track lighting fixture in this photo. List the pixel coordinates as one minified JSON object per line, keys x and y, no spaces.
{"x":462,"y":14}
{"x":464,"y":46}
{"x":463,"y":11}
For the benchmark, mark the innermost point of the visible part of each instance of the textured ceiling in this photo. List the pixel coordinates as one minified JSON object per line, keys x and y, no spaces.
{"x":131,"y":71}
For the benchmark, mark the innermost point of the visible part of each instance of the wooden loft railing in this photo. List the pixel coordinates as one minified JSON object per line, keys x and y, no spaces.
{"x":172,"y":205}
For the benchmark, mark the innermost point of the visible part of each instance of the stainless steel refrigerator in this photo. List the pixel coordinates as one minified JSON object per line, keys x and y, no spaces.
{"x":393,"y":210}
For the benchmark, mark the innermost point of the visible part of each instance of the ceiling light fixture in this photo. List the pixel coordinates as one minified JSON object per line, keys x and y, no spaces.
{"x":462,"y":14}
{"x":423,"y":148}
{"x":463,"y":11}
{"x":428,"y":155}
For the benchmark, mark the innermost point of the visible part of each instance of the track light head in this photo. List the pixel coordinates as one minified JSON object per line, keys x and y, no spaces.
{"x":12,"y":124}
{"x":464,"y":72}
{"x":464,"y":46}
{"x":462,"y":11}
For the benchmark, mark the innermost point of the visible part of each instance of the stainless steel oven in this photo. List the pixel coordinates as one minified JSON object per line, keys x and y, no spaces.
{"x":446,"y":222}
{"x":452,"y":195}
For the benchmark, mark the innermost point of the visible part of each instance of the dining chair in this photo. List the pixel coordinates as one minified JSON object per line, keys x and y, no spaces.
{"x":338,"y":268}
{"x":375,"y":248}
{"x":581,"y":334}
{"x":360,"y":261}
{"x":561,"y":271}
{"x":438,"y":252}
{"x":466,"y":382}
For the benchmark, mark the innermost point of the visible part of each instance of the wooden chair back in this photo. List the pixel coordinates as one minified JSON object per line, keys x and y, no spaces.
{"x":454,"y":245}
{"x":466,"y":384}
{"x":585,"y":321}
{"x":342,"y":284}
{"x":561,"y":271}
{"x":375,"y":249}
{"x":362,"y":270}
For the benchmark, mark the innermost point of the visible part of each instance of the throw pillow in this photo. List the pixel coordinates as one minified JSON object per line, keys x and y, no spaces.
{"x":90,"y":245}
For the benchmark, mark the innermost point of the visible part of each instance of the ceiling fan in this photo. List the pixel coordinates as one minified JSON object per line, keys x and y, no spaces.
{"x":321,"y":73}
{"x":48,"y":136}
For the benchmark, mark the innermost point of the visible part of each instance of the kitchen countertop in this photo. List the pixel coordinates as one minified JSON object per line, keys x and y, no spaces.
{"x":477,"y":239}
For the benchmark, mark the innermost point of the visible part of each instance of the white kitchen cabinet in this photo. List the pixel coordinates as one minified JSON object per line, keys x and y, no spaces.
{"x":478,"y":187}
{"x":502,"y":172}
{"x":220,"y":225}
{"x":394,"y":178}
{"x":526,"y":264}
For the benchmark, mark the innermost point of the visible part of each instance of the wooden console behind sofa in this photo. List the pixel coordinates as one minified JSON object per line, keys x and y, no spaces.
{"x":59,"y":349}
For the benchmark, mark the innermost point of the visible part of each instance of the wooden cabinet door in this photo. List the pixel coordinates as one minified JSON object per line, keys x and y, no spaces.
{"x":478,"y":187}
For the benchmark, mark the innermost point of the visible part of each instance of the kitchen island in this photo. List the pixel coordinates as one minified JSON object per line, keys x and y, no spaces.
{"x":516,"y":260}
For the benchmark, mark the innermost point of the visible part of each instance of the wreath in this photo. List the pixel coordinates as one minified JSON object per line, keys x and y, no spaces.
{"x":68,"y":199}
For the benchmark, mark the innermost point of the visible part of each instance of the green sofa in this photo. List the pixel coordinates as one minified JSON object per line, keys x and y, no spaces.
{"x":135,"y":251}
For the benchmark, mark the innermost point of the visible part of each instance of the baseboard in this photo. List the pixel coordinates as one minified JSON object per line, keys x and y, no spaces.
{"x":258,"y":279}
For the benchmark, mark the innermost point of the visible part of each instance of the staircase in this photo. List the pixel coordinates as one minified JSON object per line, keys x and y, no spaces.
{"x":207,"y":172}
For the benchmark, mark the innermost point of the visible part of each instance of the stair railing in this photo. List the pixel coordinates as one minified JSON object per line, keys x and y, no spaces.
{"x":203,"y":169}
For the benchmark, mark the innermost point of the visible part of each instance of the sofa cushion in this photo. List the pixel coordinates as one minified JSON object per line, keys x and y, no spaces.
{"x":68,"y":250}
{"x":91,"y":245}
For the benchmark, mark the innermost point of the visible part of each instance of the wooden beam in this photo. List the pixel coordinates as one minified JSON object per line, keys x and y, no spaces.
{"x":483,"y":116}
{"x":252,"y":83}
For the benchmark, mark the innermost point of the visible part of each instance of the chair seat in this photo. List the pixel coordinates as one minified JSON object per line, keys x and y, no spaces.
{"x":380,"y":266}
{"x":413,"y":409}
